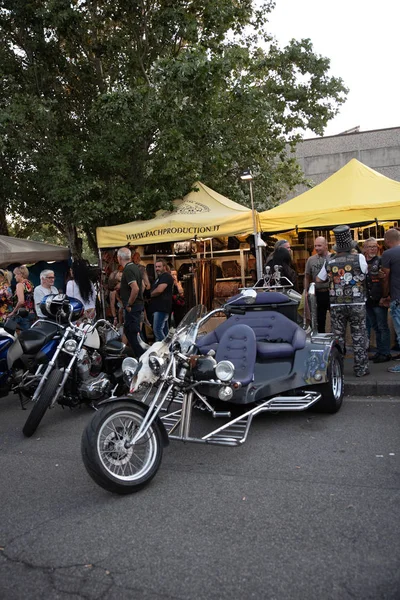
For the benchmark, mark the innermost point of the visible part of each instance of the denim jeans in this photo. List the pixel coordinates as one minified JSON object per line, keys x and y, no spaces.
{"x":132,"y":321}
{"x":395,"y":312}
{"x":377,"y":318}
{"x":160,"y":325}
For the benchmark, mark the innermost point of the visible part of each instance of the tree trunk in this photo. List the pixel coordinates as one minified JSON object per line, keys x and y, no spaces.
{"x":91,"y":239}
{"x":74,"y":242}
{"x":3,"y":221}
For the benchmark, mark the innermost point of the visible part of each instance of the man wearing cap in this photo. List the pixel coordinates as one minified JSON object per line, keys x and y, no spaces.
{"x":346,"y":273}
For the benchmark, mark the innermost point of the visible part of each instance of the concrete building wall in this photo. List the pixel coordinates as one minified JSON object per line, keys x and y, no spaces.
{"x":321,"y":157}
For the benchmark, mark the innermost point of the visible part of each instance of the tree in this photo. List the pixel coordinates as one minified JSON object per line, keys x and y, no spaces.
{"x":110,"y":110}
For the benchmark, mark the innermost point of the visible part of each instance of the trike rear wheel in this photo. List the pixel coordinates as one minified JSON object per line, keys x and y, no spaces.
{"x":332,"y":391}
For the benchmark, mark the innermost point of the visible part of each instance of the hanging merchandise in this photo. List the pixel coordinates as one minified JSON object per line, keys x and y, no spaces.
{"x":226,"y":289}
{"x":233,"y":243}
{"x":162,"y":249}
{"x":218,"y":244}
{"x":188,"y":247}
{"x":230,"y":268}
{"x":206,"y":278}
{"x":189,"y":290}
{"x":185,"y":269}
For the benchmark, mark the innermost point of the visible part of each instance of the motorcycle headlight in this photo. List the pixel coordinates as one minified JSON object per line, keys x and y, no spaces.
{"x":156,"y":364}
{"x":129,"y":364}
{"x":70,"y":345}
{"x":129,"y":369}
{"x":225,"y":393}
{"x":225,"y":370}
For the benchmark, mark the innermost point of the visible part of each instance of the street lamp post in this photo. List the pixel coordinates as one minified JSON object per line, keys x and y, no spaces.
{"x":248,"y":176}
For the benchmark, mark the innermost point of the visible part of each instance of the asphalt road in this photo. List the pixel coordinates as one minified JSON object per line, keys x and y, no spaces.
{"x":308,"y":508}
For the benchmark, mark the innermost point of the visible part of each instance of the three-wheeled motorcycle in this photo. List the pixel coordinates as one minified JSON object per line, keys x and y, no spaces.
{"x":257,"y":359}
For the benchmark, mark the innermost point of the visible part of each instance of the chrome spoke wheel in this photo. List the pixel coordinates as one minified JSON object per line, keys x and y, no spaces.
{"x":126,"y":463}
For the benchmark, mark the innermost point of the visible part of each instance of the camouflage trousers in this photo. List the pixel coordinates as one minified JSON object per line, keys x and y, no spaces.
{"x":357,"y":318}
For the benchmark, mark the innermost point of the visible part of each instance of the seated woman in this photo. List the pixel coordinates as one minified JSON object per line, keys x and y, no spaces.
{"x":283,"y":259}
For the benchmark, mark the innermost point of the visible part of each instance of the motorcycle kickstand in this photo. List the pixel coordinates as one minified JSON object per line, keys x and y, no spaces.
{"x":20,"y":400}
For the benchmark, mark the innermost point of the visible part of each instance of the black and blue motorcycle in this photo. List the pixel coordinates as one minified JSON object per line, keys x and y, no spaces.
{"x":24,"y":357}
{"x":84,"y":366}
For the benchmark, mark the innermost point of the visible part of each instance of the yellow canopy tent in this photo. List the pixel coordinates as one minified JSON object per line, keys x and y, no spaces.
{"x":201,"y":213}
{"x":355,"y":194}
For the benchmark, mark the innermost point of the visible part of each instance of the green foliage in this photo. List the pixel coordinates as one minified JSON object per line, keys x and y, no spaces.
{"x":110,"y":110}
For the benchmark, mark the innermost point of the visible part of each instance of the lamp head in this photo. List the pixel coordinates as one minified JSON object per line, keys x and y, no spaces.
{"x":247,"y":175}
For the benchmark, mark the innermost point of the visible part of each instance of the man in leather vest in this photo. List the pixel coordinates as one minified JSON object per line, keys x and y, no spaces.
{"x":346,"y":273}
{"x":377,"y":315}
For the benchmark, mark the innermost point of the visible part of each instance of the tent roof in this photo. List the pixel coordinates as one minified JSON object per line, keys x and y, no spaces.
{"x":15,"y":250}
{"x":202,"y":213}
{"x":354,"y":194}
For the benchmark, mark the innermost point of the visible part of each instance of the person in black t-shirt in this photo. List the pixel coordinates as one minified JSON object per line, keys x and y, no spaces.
{"x":131,"y":294}
{"x":161,"y":299}
{"x":377,"y":316}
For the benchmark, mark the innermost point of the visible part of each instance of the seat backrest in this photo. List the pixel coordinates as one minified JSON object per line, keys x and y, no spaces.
{"x":267,"y":325}
{"x":238,"y":344}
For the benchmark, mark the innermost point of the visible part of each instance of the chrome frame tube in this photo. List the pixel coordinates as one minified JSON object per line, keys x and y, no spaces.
{"x":68,"y":370}
{"x":153,"y":409}
{"x":186,"y":417}
{"x":50,"y":365}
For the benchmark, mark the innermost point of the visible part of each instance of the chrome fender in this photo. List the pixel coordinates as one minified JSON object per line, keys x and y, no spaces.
{"x":14,"y":353}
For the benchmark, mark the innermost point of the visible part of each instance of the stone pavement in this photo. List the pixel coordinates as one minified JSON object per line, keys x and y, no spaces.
{"x":378,"y":383}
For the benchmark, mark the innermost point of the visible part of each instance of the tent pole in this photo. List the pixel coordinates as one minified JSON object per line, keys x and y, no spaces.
{"x":102,"y":299}
{"x":257,"y":249}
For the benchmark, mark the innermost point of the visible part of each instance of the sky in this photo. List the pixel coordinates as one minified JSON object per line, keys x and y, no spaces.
{"x":361,"y":39}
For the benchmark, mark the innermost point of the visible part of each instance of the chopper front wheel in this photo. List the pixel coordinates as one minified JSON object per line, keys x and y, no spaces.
{"x":112,"y":465}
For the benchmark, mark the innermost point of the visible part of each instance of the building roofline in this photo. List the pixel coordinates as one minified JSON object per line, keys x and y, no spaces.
{"x":336,"y":135}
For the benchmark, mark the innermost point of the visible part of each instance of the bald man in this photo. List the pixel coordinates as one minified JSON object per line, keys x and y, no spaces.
{"x":313,"y":267}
